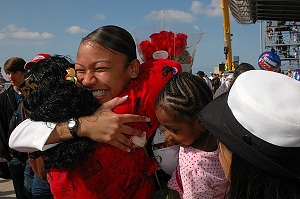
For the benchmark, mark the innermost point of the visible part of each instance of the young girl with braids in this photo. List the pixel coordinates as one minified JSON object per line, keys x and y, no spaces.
{"x":199,"y":173}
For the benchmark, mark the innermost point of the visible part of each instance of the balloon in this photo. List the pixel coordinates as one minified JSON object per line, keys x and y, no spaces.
{"x":269,"y":61}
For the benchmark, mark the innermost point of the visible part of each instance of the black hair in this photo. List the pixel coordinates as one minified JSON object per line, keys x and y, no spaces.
{"x":14,"y":64}
{"x":249,"y":182}
{"x":243,"y":67}
{"x":184,"y":95}
{"x":57,"y":100}
{"x":115,"y":38}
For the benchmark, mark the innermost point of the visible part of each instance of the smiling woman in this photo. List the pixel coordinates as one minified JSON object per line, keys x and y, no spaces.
{"x":107,"y":67}
{"x":99,"y":72}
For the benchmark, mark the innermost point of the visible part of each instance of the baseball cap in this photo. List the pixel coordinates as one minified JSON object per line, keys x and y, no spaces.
{"x":36,"y":59}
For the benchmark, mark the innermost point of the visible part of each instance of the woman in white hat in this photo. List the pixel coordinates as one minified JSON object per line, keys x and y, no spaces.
{"x":258,"y":127}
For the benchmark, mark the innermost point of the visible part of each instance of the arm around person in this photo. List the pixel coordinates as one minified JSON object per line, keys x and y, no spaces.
{"x":102,"y":126}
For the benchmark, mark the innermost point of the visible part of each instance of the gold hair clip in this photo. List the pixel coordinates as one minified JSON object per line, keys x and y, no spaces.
{"x":71,"y":76}
{"x":28,"y":85}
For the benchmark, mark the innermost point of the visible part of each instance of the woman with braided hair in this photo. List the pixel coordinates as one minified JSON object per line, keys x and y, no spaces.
{"x":199,"y":173}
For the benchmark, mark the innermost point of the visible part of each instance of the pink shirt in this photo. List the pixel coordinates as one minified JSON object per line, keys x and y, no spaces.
{"x":198,"y":175}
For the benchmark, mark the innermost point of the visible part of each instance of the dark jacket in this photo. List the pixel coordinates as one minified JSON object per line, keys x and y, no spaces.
{"x":8,"y":105}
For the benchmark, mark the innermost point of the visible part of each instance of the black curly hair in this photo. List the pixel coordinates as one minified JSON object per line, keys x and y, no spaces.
{"x":57,"y":100}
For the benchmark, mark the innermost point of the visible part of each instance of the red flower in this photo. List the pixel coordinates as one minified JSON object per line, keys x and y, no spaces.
{"x":174,"y":44}
{"x":147,"y":48}
{"x":160,"y":41}
{"x":181,"y":43}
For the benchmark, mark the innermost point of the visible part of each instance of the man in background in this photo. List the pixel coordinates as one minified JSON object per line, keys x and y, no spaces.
{"x":243,"y":67}
{"x":203,"y":76}
{"x":9,"y":101}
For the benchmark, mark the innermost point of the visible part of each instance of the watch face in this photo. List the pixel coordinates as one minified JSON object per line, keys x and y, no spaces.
{"x":72,"y":124}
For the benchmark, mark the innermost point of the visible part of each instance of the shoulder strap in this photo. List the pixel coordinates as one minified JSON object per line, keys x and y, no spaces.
{"x":20,"y":106}
{"x":15,"y":120}
{"x":12,"y":107}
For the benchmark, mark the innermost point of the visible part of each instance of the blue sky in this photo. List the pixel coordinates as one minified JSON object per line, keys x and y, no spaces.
{"x":56,"y":26}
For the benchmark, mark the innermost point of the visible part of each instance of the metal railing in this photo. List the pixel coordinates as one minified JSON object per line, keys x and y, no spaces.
{"x":242,"y":11}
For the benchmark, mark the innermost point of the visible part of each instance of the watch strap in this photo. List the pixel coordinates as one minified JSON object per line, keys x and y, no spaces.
{"x":73,"y":133}
{"x":73,"y":130}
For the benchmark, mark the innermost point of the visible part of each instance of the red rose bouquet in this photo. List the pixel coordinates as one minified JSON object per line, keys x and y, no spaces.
{"x":174,"y":44}
{"x":170,"y":43}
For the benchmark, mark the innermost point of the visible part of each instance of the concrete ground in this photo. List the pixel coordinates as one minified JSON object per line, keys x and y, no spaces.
{"x":6,"y":189}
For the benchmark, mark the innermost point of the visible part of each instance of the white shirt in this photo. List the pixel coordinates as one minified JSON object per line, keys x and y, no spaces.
{"x":30,"y":136}
{"x":166,"y":156}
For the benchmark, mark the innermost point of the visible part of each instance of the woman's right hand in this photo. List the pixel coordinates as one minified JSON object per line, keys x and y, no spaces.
{"x":108,"y":127}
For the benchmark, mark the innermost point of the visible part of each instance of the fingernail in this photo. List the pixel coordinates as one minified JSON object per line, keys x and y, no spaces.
{"x":147,"y":119}
{"x":128,"y":150}
{"x":126,"y":96}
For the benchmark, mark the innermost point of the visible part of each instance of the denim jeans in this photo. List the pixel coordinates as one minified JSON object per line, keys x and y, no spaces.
{"x":28,"y":178}
{"x":40,"y":189}
{"x":16,"y":169}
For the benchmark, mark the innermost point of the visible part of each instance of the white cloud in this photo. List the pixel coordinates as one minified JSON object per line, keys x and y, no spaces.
{"x":12,"y":31}
{"x":197,"y":8}
{"x":75,"y":30}
{"x":171,"y":15}
{"x":14,"y":28}
{"x":100,"y":16}
{"x":31,"y":35}
{"x":211,"y":10}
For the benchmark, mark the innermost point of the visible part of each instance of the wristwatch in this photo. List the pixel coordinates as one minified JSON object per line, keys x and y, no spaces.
{"x":72,"y":125}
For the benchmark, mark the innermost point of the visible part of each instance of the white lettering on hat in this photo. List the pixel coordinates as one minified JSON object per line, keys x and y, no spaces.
{"x":38,"y":57}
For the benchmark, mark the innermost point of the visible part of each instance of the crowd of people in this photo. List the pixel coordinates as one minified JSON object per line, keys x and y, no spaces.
{"x":108,"y":126}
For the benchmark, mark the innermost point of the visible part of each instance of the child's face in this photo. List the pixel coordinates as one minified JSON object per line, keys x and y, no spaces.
{"x":103,"y":71}
{"x":183,"y":133}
